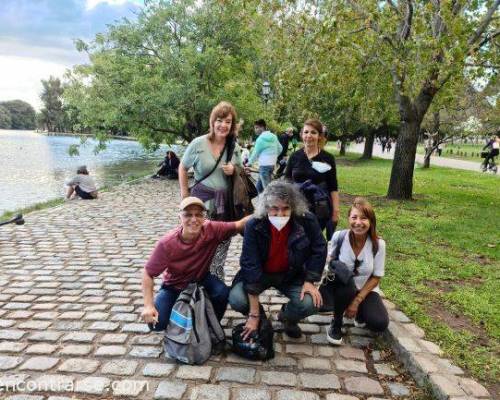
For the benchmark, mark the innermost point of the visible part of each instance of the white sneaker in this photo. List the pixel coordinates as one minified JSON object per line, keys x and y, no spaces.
{"x":333,"y":336}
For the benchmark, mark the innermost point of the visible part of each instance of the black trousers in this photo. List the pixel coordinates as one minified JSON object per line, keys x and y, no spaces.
{"x":370,"y":311}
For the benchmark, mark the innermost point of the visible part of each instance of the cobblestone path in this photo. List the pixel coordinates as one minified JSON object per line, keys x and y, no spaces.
{"x":70,"y":304}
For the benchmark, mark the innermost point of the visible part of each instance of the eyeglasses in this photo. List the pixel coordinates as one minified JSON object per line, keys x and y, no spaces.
{"x":357,"y":263}
{"x":198,"y":215}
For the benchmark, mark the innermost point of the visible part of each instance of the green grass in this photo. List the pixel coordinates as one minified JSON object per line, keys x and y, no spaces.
{"x":39,"y":206}
{"x":55,"y":202}
{"x":442,"y":257}
{"x":468,"y":152}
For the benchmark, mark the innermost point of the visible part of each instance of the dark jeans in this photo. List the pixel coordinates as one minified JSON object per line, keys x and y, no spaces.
{"x":83,"y":194}
{"x":216,"y":290}
{"x":371,"y":310}
{"x":265,"y":177}
{"x":294,"y":310}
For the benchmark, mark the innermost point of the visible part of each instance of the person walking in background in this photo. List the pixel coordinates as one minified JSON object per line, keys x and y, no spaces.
{"x":388,"y":146}
{"x":208,"y":155}
{"x":266,"y":150}
{"x":282,"y":158}
{"x":315,"y":170}
{"x":169,"y":167}
{"x":493,"y":145}
{"x":383,"y":143}
{"x":81,"y":185}
{"x":362,"y":253}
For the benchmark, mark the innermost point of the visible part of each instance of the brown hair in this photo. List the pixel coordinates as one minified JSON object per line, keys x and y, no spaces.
{"x":82,"y":169}
{"x":316,"y":124}
{"x":361,"y":204}
{"x":222,"y":110}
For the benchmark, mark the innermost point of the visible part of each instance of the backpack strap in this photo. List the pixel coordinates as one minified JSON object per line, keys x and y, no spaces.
{"x":213,"y":169}
{"x":338,"y":243}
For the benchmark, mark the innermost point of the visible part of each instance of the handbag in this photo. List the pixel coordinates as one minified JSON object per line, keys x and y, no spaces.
{"x":334,"y":267}
{"x":240,"y":192}
{"x":261,"y":345}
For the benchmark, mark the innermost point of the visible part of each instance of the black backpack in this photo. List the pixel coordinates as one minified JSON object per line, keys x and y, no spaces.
{"x":262,"y":345}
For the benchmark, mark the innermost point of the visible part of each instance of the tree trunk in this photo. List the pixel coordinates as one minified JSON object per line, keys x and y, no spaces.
{"x":427,"y":159}
{"x":342,"y":147}
{"x":401,"y":183}
{"x":368,"y":150}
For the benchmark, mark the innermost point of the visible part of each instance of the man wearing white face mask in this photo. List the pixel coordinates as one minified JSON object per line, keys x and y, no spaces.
{"x":283,"y":248}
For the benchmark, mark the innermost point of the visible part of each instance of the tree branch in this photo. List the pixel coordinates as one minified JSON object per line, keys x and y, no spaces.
{"x":488,"y":38}
{"x":484,"y":24}
{"x":438,"y":26}
{"x":405,"y":27}
{"x":373,"y":25}
{"x":393,"y":6}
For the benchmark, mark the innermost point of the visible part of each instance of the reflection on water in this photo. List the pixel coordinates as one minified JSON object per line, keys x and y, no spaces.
{"x":34,"y":166}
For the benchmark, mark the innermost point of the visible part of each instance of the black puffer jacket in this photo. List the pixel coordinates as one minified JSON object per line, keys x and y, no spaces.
{"x":306,"y":251}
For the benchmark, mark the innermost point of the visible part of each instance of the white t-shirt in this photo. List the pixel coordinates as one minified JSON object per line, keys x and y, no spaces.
{"x":369,"y":265}
{"x":85,"y":182}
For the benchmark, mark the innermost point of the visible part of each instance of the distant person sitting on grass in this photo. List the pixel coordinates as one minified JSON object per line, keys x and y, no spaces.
{"x":169,"y":167}
{"x":184,"y":256}
{"x":81,"y":185}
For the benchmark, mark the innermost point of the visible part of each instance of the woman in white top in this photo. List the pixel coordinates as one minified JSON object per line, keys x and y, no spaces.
{"x":363,"y":252}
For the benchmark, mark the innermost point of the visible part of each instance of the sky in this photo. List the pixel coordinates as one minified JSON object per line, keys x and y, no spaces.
{"x":36,"y":39}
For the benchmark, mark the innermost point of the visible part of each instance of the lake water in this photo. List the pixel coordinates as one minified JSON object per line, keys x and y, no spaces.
{"x":34,"y":166}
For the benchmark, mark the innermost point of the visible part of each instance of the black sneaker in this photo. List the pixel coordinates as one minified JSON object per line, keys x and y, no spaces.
{"x":292,"y":329}
{"x":334,"y":335}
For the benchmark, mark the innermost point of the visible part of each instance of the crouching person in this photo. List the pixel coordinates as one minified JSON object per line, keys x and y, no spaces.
{"x":282,"y":248}
{"x":362,"y":252}
{"x":184,"y":256}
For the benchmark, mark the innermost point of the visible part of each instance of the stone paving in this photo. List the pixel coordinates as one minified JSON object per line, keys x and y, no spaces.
{"x":70,"y":304}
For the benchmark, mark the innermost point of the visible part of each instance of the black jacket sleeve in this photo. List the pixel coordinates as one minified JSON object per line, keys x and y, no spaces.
{"x":316,"y":262}
{"x":289,"y":166}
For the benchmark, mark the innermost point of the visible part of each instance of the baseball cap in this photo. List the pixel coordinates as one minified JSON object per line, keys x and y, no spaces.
{"x":189,"y":201}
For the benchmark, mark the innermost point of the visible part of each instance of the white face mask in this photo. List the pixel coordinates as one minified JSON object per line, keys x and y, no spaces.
{"x":321,"y":167}
{"x":279,"y":222}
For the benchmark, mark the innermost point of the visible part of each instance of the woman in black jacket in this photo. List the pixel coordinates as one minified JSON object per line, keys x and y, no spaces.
{"x":315,"y":170}
{"x":169,"y":166}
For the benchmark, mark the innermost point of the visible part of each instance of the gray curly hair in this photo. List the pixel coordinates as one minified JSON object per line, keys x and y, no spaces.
{"x":284,"y":191}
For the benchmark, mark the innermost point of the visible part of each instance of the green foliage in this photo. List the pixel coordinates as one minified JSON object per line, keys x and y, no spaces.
{"x":5,"y":120}
{"x":22,"y":114}
{"x":442,"y":257}
{"x":158,"y":77}
{"x":54,"y":116}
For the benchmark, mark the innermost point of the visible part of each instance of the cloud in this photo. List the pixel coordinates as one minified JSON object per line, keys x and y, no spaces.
{"x":56,"y":23}
{"x":21,"y":76}
{"x":37,"y":39}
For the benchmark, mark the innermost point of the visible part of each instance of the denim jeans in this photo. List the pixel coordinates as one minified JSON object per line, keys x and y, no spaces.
{"x":216,"y":290}
{"x":294,"y":310}
{"x":265,"y":176}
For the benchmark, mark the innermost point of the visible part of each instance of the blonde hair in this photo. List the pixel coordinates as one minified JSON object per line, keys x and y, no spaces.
{"x":222,"y":110}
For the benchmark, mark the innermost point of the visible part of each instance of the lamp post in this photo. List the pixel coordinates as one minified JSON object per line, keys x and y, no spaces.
{"x":266,"y":91}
